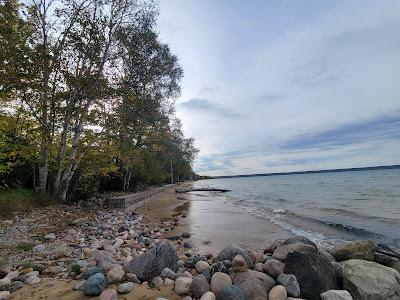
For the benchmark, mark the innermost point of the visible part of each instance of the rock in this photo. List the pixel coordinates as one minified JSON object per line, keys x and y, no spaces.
{"x":384,"y":259}
{"x":201,"y":266}
{"x":32,"y":280}
{"x":255,"y":284}
{"x":231,"y":292}
{"x":314,"y":273}
{"x":239,"y":264}
{"x":218,"y":280}
{"x":396,"y":266}
{"x":80,"y":221}
{"x":168,"y":273}
{"x":207,"y":275}
{"x":108,"y":294}
{"x":14,"y":286}
{"x":91,"y":272}
{"x":275,"y":244}
{"x":12,"y":275}
{"x":339,"y":272}
{"x":327,"y":255}
{"x":168,"y":282}
{"x":55,"y":270}
{"x":367,"y":280}
{"x":3,"y":273}
{"x":182,"y":285}
{"x":115,"y":274}
{"x":336,"y":295}
{"x":4,"y":283}
{"x":218,"y":267}
{"x":186,"y":235}
{"x":50,"y":236}
{"x":289,"y":281}
{"x":363,"y":249}
{"x":95,"y":285}
{"x":229,"y":252}
{"x":5,"y":295}
{"x":274,"y":267}
{"x":299,"y":239}
{"x":199,"y":286}
{"x":125,"y":288}
{"x":208,"y":296}
{"x":79,"y":285}
{"x":152,"y":262}
{"x":39,"y":248}
{"x":259,"y":267}
{"x":158,"y":282}
{"x":278,"y":292}
{"x":38,"y":267}
{"x":281,"y":252}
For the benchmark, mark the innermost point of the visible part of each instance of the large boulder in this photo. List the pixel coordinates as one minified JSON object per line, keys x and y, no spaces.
{"x":367,"y":280}
{"x":274,"y":267}
{"x":151,"y":263}
{"x":299,"y":239}
{"x":289,"y":281}
{"x":314,"y":273}
{"x":229,"y":252}
{"x":231,"y":292}
{"x":282,"y":252}
{"x":218,"y":280}
{"x":95,"y":285}
{"x":255,"y":284}
{"x":364,"y":249}
{"x":183,"y":285}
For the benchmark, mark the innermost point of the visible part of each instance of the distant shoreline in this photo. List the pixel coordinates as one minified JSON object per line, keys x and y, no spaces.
{"x":307,"y":172}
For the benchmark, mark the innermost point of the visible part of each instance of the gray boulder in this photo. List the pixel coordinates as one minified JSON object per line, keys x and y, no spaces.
{"x":255,"y":284}
{"x":364,"y":249}
{"x":336,"y":295}
{"x":152,"y":263}
{"x":282,"y":252}
{"x":231,"y":292}
{"x":95,"y":285}
{"x":299,"y":239}
{"x":367,"y":280}
{"x":200,"y":286}
{"x":229,"y":252}
{"x":274,"y":267}
{"x":289,"y":281}
{"x":314,"y":273}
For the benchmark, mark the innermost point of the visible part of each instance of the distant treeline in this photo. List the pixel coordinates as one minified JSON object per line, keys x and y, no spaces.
{"x":306,"y":172}
{"x":87,"y":95}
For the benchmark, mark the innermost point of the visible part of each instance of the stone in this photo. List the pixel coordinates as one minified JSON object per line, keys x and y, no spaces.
{"x":3,"y":273}
{"x":282,"y":252}
{"x":231,"y":292}
{"x":336,"y":295}
{"x":199,"y":286}
{"x":259,"y":267}
{"x":366,"y":280}
{"x":274,"y":267}
{"x":158,"y":282}
{"x":275,"y":244}
{"x":299,"y":239}
{"x":12,"y":275}
{"x":108,"y":294}
{"x":5,"y":295}
{"x":32,"y":280}
{"x":168,"y":273}
{"x":80,"y":221}
{"x":14,"y":286}
{"x":384,"y":259}
{"x":125,"y":288}
{"x":168,"y":282}
{"x":152,"y":262}
{"x":186,"y":235}
{"x":278,"y":292}
{"x":229,"y":252}
{"x":218,"y":267}
{"x":327,"y":255}
{"x":115,"y":274}
{"x":39,"y":248}
{"x":208,"y":296}
{"x":289,"y":281}
{"x":218,"y":280}
{"x":79,"y":285}
{"x":314,"y":273}
{"x":95,"y":285}
{"x":91,"y":272}
{"x":363,"y":249}
{"x":4,"y":283}
{"x":239,"y":264}
{"x":50,"y":236}
{"x":255,"y":284}
{"x":38,"y":267}
{"x":182,"y":285}
{"x":201,"y":266}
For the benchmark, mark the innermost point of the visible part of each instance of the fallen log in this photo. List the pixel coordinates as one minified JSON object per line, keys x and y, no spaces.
{"x":201,"y":190}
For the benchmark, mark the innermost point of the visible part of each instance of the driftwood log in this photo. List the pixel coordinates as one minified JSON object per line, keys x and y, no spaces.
{"x":201,"y":190}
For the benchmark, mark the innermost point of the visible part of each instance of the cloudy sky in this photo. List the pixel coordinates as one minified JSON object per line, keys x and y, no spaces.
{"x":276,"y":86}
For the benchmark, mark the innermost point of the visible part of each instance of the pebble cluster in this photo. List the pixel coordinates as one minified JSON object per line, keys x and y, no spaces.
{"x":111,"y":252}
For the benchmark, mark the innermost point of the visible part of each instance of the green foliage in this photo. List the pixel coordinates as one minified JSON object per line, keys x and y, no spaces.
{"x":20,"y":200}
{"x":25,"y":247}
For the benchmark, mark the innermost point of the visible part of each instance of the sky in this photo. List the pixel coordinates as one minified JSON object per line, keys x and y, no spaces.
{"x":281,"y":86}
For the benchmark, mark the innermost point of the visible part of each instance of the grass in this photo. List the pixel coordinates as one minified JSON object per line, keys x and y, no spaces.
{"x":21,"y":200}
{"x":25,"y":246}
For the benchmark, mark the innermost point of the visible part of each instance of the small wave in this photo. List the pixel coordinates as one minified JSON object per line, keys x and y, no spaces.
{"x":279,"y":211}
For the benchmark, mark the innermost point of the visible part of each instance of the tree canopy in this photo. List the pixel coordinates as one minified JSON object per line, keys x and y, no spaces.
{"x":87,"y":94}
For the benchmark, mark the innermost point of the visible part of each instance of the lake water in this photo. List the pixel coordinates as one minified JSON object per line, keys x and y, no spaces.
{"x":328,"y":208}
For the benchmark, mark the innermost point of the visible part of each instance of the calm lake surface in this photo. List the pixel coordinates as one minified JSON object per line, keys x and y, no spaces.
{"x":328,"y":208}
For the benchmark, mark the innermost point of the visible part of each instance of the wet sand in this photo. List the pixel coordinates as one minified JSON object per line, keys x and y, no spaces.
{"x":212,"y":222}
